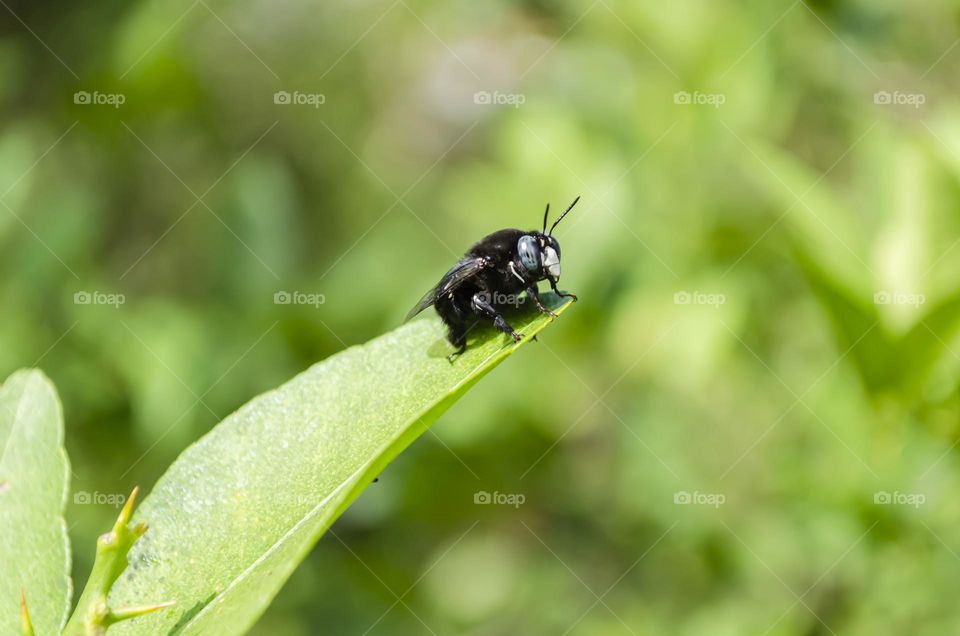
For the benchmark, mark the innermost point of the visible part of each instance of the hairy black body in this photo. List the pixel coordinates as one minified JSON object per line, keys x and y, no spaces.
{"x":494,"y":272}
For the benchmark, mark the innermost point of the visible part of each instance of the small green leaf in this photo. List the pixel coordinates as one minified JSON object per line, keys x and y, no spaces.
{"x":34,"y":476}
{"x":241,"y":508}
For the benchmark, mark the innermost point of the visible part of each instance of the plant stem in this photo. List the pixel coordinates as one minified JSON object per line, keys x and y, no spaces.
{"x":92,"y":616}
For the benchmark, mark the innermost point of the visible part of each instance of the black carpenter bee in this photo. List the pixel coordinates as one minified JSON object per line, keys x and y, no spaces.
{"x":495,"y":269}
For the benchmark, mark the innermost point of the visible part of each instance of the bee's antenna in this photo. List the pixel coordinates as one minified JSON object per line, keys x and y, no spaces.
{"x":545,"y":214}
{"x":560,"y":218}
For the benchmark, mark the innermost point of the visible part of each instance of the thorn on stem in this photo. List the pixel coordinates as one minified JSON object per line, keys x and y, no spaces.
{"x":115,"y":616}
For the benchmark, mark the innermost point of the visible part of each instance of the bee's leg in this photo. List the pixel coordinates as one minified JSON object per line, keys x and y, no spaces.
{"x":561,"y":294}
{"x":480,"y":305}
{"x":460,"y":349}
{"x":454,"y":321}
{"x":457,"y":336}
{"x":534,"y":293}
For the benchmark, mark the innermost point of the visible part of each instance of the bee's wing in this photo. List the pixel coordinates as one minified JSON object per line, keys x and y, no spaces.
{"x":464,"y":269}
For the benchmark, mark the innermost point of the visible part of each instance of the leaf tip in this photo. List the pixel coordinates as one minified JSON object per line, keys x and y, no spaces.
{"x":26,"y":626}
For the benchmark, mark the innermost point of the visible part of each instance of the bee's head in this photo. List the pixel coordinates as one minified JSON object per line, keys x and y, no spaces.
{"x":540,"y":255}
{"x":540,"y":252}
{"x":550,"y":256}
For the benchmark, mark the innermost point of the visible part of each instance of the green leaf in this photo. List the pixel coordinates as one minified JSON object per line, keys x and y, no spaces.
{"x":925,"y":343}
{"x":34,"y":477}
{"x":241,"y":508}
{"x":815,"y":214}
{"x":859,"y":332}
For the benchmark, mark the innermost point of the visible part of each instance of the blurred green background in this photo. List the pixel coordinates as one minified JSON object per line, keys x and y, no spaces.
{"x":747,"y":425}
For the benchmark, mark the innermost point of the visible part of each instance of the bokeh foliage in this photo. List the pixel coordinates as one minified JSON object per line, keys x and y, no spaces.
{"x":824,"y":218}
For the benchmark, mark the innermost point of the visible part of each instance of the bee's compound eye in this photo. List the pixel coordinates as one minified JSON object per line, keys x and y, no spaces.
{"x":529,"y":252}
